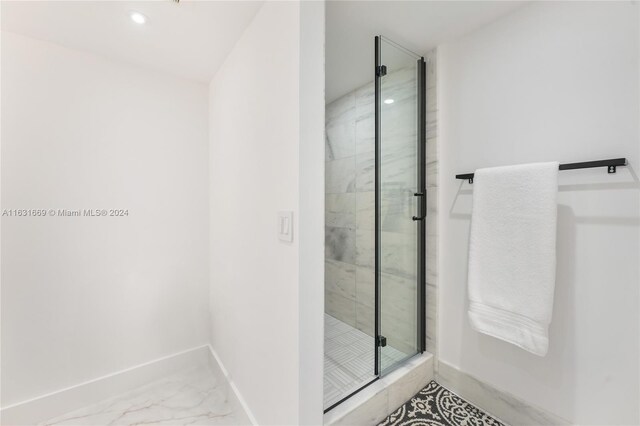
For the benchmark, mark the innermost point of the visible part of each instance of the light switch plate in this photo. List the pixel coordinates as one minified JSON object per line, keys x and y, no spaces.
{"x":285,"y":226}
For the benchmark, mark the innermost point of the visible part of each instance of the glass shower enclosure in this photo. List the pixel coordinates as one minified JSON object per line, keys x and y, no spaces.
{"x":400,"y":203}
{"x":375,"y":224}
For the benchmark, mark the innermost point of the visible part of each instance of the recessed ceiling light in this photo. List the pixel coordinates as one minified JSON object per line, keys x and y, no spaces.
{"x":388,"y":101}
{"x":138,"y":18}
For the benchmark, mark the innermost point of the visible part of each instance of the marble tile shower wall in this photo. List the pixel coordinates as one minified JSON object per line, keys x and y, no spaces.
{"x":349,"y":213}
{"x":349,"y":219}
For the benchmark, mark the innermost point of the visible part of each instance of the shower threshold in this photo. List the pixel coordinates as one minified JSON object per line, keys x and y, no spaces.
{"x":376,"y":401}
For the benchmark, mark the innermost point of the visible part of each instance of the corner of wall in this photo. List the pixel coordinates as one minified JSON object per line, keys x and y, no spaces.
{"x":311,"y":213}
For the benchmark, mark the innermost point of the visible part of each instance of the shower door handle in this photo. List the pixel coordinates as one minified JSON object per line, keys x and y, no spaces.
{"x":422,"y":206}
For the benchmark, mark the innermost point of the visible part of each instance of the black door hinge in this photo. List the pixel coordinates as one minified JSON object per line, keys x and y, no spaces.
{"x":381,"y":70}
{"x":382,"y":341}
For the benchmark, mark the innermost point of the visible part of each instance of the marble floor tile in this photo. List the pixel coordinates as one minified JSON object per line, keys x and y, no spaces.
{"x":196,"y":396}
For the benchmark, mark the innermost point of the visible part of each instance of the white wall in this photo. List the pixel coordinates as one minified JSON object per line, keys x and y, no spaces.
{"x":553,"y":81}
{"x":83,"y":297}
{"x":311,"y":213}
{"x":255,"y":171}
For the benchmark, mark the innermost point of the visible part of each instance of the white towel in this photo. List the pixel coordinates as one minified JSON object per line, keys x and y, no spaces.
{"x":512,"y":253}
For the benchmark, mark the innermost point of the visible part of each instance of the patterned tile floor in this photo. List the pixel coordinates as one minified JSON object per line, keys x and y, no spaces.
{"x":437,"y":406}
{"x":349,"y":359}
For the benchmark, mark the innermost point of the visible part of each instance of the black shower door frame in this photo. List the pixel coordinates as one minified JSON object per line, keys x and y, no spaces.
{"x":380,"y":71}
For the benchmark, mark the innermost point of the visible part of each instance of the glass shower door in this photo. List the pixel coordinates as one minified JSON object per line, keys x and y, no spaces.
{"x":400,"y":203}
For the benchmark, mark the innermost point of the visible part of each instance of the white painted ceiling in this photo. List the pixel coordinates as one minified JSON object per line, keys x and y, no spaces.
{"x":417,"y":25}
{"x":189,"y":39}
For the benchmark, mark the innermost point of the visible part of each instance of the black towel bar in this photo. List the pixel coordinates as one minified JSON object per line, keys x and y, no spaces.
{"x":609,"y":164}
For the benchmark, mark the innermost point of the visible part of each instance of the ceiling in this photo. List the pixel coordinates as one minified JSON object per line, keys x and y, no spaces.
{"x":417,"y":25}
{"x":189,"y":39}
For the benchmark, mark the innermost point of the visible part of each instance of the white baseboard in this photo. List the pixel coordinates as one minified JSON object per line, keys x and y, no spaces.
{"x":233,"y":386}
{"x":44,"y":407}
{"x":502,"y":405}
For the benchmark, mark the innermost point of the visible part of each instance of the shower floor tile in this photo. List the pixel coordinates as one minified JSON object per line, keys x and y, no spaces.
{"x":349,"y":359}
